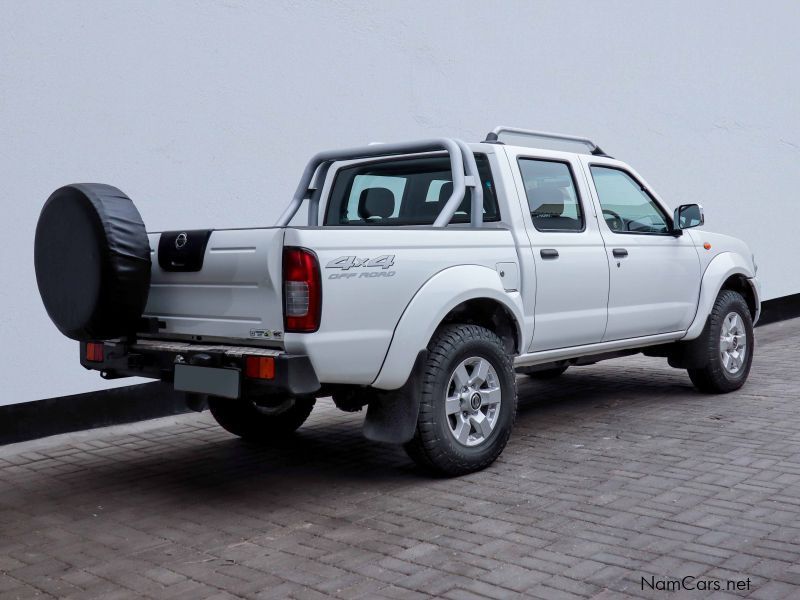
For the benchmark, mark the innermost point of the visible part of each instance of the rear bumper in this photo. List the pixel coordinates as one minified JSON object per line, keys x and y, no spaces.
{"x":294,"y":374}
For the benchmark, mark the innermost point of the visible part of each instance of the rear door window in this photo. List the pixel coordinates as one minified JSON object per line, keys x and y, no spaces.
{"x":552,"y":197}
{"x":406,"y":191}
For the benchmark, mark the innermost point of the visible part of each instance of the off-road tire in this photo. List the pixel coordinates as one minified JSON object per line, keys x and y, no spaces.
{"x":433,"y":447}
{"x":713,"y":378}
{"x":543,"y":374}
{"x":245,"y":419}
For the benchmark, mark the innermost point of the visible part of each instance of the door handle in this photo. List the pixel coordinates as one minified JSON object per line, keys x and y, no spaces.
{"x":619,"y":252}
{"x":548,"y":253}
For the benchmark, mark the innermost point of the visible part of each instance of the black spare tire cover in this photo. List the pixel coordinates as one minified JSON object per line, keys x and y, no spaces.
{"x":92,"y":260}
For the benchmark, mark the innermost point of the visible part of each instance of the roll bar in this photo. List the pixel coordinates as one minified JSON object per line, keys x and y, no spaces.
{"x":494,"y":136}
{"x":462,"y":165}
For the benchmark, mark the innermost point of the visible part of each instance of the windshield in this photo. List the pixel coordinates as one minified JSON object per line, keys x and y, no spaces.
{"x":406,"y":191}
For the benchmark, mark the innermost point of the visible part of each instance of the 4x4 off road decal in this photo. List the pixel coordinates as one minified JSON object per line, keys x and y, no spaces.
{"x":345,"y":263}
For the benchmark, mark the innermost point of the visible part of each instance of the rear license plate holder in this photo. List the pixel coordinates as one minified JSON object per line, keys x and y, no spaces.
{"x":208,"y":380}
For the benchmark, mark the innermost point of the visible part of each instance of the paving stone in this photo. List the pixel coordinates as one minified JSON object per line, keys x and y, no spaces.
{"x":615,"y":472}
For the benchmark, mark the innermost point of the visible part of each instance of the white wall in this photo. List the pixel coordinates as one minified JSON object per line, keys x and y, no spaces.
{"x":204,"y":113}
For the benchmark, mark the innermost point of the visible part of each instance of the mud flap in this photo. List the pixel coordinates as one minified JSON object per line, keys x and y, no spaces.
{"x":692,"y":354}
{"x":392,"y":415}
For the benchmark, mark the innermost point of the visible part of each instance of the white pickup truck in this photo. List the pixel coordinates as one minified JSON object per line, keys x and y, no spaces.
{"x":426,"y":274}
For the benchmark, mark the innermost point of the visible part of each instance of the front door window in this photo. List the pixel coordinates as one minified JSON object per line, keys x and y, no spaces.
{"x":627,"y":207}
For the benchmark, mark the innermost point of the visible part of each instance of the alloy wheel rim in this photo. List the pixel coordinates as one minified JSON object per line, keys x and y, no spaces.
{"x":472,"y":401}
{"x":733,"y":343}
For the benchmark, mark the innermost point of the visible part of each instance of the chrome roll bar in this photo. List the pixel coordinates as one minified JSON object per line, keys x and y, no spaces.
{"x":462,"y":165}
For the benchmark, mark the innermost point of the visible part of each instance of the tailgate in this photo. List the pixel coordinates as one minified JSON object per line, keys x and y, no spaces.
{"x":236,"y":293}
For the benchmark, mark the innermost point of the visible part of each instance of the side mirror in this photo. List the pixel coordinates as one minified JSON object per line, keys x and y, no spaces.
{"x":688,"y":216}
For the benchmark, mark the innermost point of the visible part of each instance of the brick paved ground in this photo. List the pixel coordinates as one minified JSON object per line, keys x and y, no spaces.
{"x":615,"y":472}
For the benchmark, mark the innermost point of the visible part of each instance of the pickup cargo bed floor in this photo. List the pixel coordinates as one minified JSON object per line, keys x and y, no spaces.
{"x":614,"y":473}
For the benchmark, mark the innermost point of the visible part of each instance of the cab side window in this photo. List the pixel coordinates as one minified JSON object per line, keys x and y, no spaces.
{"x":627,"y":207}
{"x":552,"y":197}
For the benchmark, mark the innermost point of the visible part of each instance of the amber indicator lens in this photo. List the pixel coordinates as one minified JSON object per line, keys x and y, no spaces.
{"x":94,"y":351}
{"x":260,"y":367}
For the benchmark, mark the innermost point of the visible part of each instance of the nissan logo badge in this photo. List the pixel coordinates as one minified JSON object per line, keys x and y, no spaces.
{"x":181,"y":240}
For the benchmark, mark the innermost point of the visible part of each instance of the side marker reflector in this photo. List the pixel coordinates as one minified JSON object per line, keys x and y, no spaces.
{"x":94,"y":351}
{"x":707,"y":246}
{"x":260,"y":367}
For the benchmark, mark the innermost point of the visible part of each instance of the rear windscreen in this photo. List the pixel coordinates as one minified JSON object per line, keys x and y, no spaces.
{"x":407,"y":191}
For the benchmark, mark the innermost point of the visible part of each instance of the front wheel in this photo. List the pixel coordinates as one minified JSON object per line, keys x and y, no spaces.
{"x":260,"y":422}
{"x":728,"y":343}
{"x":468,"y":403}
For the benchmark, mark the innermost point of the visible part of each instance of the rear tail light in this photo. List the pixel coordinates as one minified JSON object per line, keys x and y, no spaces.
{"x":94,"y":352}
{"x":302,"y":290}
{"x":259,"y":367}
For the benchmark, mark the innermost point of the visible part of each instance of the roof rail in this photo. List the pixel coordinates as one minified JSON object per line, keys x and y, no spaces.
{"x":494,"y":137}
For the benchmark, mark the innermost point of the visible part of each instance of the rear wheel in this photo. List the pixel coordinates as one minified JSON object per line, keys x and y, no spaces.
{"x":468,"y":404}
{"x":728,"y":344}
{"x":261,"y":422}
